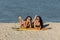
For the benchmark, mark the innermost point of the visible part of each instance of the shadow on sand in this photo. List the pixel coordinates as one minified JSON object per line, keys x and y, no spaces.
{"x":44,"y":27}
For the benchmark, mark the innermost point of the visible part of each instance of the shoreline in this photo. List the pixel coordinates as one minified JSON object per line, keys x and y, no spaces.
{"x":18,"y":22}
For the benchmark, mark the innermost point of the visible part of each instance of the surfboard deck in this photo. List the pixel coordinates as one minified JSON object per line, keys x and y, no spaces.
{"x":25,"y":29}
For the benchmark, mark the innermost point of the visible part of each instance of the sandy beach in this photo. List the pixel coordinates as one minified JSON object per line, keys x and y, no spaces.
{"x":7,"y":33}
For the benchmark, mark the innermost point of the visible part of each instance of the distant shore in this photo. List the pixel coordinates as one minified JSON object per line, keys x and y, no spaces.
{"x":7,"y":33}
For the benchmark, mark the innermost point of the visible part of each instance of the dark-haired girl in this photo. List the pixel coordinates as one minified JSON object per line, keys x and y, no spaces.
{"x":38,"y":23}
{"x":27,"y":22}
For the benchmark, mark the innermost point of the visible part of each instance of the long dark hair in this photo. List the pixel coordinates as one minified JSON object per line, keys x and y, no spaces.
{"x":27,"y":18}
{"x":40,"y":20}
{"x":30,"y":20}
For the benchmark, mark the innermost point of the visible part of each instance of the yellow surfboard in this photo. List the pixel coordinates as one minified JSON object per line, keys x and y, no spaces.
{"x":27,"y":29}
{"x":24,"y":29}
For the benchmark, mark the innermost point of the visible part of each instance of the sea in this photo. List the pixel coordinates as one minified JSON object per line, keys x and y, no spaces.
{"x":10,"y":10}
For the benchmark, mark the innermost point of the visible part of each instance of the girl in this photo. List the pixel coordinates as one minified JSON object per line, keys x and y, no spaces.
{"x":26,"y":23}
{"x":38,"y":24}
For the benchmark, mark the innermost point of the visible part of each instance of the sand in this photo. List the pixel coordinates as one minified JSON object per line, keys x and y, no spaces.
{"x":7,"y":33}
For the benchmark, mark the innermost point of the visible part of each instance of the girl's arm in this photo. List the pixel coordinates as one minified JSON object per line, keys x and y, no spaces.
{"x":34,"y":18}
{"x":34,"y":24}
{"x":30,"y":25}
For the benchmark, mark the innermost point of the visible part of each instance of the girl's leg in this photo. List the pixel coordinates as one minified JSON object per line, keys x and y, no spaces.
{"x":34,"y":18}
{"x":20,"y":20}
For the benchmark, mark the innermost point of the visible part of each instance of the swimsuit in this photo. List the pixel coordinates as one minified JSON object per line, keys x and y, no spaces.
{"x":37,"y":25}
{"x":28,"y":25}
